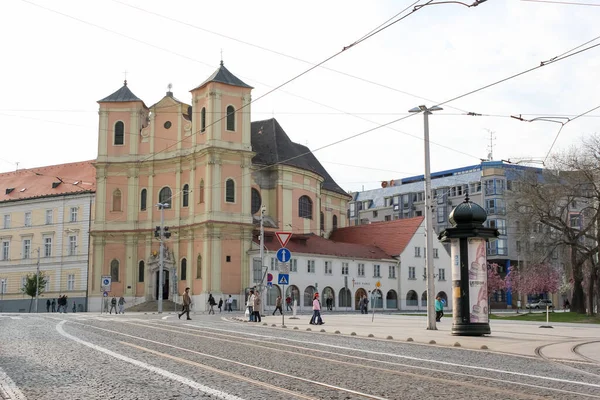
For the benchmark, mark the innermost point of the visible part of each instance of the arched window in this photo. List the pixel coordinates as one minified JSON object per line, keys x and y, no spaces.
{"x":141,"y":270}
{"x":143,"y":199}
{"x":186,"y":195}
{"x":230,"y":118}
{"x":203,"y":119}
{"x":201,"y":194}
{"x":114,"y":270}
{"x":305,"y":207}
{"x":199,"y":267}
{"x":309,"y":293}
{"x":119,"y":133}
{"x":391,"y":299}
{"x":345,"y":298}
{"x":256,"y":201}
{"x":164,"y":196}
{"x":411,"y":298}
{"x":230,"y":191}
{"x":183,"y":274}
{"x":116,"y":200}
{"x":424,"y":298}
{"x":322,"y":222}
{"x":334,"y":222}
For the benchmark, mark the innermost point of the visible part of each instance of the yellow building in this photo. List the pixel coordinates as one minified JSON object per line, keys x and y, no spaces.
{"x":45,"y":217}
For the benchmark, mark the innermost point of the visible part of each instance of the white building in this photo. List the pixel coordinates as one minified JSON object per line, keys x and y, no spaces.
{"x":46,"y":216}
{"x":404,"y":240}
{"x":351,"y":265}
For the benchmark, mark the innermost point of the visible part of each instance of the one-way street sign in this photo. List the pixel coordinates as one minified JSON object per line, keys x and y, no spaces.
{"x":283,"y":279}
{"x":284,"y":255}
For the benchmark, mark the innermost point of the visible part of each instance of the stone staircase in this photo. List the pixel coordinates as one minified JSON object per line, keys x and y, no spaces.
{"x":152,"y":306}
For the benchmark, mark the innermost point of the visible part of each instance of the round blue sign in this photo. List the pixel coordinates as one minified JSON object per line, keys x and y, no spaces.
{"x":284,"y":255}
{"x":105,"y":294}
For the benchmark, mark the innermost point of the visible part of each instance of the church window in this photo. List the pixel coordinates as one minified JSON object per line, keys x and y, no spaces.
{"x":143,"y":199}
{"x":141,"y":270}
{"x":305,"y":207}
{"x":256,"y":201}
{"x":164,"y":197}
{"x":186,"y":195}
{"x":322,"y":222}
{"x":201,"y":194}
{"x":114,"y":270}
{"x":230,"y":191}
{"x":116,"y":200}
{"x":183,"y":274}
{"x":119,"y":133}
{"x":203,"y":119}
{"x":230,"y":118}
{"x":199,"y":267}
{"x":335,"y":223}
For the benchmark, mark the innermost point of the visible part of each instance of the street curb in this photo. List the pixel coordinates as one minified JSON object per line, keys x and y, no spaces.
{"x":387,"y":338}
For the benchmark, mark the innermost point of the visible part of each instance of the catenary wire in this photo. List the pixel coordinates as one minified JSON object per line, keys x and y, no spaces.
{"x":284,"y":54}
{"x":570,"y":3}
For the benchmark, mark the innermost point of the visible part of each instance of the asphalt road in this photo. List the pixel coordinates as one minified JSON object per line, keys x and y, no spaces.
{"x":137,"y":356}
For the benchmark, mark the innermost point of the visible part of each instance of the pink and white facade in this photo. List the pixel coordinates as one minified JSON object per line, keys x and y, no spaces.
{"x":215,"y":169}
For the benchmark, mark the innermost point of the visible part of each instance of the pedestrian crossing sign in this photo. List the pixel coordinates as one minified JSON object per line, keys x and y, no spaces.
{"x":283,"y":279}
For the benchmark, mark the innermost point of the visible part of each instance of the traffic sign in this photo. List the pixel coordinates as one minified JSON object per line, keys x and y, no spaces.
{"x":270,"y":284}
{"x":106,"y":281}
{"x":284,"y":255}
{"x":283,"y":279}
{"x":105,"y":294}
{"x":378,"y":284}
{"x":283,"y":237}
{"x":269,"y":277}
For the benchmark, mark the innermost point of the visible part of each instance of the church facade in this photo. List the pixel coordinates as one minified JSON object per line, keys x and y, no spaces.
{"x":213,"y":170}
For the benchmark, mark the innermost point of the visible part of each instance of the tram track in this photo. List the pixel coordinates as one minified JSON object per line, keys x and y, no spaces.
{"x":365,"y":362}
{"x":567,"y":363}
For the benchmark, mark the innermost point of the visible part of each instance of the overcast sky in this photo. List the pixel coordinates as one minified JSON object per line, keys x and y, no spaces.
{"x":60,"y":57}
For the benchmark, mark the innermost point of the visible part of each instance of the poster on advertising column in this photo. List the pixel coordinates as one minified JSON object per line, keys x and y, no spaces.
{"x":456,"y":291}
{"x":478,"y":299}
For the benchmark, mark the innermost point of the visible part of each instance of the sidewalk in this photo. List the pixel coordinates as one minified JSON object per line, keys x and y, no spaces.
{"x":514,"y":337}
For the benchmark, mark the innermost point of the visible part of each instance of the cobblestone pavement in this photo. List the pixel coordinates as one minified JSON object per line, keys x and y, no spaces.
{"x":138,"y":356}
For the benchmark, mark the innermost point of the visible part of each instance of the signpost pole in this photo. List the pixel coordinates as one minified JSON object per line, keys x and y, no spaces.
{"x":282,"y":313}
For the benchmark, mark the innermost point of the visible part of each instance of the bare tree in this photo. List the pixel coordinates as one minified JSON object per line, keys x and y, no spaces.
{"x":563,"y":203}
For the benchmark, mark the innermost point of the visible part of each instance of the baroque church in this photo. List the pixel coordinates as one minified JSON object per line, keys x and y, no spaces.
{"x":213,"y":170}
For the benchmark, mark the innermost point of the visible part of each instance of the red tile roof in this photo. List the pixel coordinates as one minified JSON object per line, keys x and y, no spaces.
{"x":314,"y":244}
{"x":71,"y":178}
{"x":391,"y":236}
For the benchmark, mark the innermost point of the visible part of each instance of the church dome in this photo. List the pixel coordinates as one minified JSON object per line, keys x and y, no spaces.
{"x":467,"y":213}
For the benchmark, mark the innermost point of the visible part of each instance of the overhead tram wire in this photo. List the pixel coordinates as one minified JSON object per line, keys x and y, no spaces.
{"x":365,"y":37}
{"x":569,"y":3}
{"x":542,"y":64}
{"x":561,"y":128}
{"x":290,"y":56}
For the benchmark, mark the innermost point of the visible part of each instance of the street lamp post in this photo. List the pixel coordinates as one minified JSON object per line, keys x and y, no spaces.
{"x":428,"y":221}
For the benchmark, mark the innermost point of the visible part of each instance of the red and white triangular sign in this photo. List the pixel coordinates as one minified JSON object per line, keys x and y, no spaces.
{"x":283,"y":237}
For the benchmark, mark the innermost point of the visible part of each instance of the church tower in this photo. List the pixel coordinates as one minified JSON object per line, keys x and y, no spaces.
{"x":194,"y":158}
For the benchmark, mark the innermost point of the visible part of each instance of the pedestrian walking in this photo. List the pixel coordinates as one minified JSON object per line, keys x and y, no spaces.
{"x":316,"y":317}
{"x":53,"y":305}
{"x":278,"y":306}
{"x":288,"y":304}
{"x":257,"y":307}
{"x":122,"y":305}
{"x":74,"y":306}
{"x":439,"y":309}
{"x":250,"y":305}
{"x":229,"y":303}
{"x":566,"y":305}
{"x":220,"y":304}
{"x":187,"y":300}
{"x":113,"y":304}
{"x":48,"y":305}
{"x":211,"y":303}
